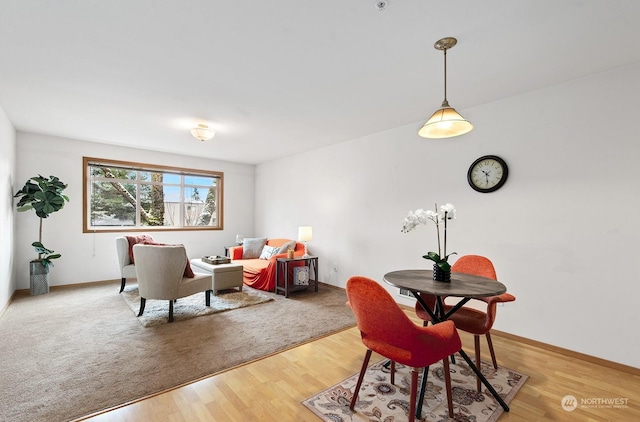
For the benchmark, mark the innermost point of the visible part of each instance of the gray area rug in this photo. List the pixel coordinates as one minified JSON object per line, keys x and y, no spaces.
{"x":156,"y":312}
{"x":379,"y":400}
{"x":79,"y":350}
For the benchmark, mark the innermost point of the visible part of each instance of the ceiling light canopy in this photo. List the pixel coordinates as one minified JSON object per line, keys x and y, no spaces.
{"x":202,"y":132}
{"x":446,"y":122}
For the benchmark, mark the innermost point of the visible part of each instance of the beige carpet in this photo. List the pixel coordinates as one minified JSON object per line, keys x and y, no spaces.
{"x":380,"y":400}
{"x":79,"y":350}
{"x":156,"y":312}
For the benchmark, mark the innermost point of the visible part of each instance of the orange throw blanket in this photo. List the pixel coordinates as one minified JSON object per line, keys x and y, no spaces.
{"x":261,"y":273}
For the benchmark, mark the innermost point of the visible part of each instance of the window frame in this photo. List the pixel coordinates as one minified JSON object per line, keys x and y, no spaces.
{"x":137,"y":166}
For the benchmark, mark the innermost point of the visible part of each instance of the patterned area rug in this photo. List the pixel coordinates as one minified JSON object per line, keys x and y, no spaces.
{"x":156,"y":312}
{"x":379,"y":400}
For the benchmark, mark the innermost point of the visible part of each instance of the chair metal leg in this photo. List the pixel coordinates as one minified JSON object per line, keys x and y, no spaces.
{"x":207,"y":297}
{"x":486,"y":383}
{"x":476,"y":342}
{"x":493,"y":355}
{"x":122,"y":283}
{"x":171,"y":311}
{"x":393,"y":372}
{"x":365,"y":363}
{"x":423,"y":387}
{"x":447,"y":383}
{"x":143,"y":301}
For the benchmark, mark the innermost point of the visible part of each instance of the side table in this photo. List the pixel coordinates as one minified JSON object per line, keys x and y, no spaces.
{"x":285,"y":278}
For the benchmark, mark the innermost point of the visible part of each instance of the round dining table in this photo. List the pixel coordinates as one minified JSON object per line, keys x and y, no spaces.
{"x":464,"y":286}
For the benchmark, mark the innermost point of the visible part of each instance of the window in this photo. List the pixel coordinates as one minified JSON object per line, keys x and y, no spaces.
{"x":124,"y":196}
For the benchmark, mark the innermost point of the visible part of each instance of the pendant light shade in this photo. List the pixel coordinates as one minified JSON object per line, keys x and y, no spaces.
{"x":446,"y":122}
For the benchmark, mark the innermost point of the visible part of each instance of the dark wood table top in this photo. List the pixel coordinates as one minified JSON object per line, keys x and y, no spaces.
{"x":461,"y":285}
{"x":297,"y":258}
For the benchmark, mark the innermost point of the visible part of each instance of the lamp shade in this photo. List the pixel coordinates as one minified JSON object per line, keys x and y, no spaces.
{"x":305,"y":234}
{"x":202,"y":132}
{"x":446,"y":122}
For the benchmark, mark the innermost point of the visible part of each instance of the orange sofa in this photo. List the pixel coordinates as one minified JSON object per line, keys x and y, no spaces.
{"x":261,"y":273}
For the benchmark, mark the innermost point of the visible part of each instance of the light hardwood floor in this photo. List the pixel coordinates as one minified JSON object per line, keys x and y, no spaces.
{"x":272,"y":388}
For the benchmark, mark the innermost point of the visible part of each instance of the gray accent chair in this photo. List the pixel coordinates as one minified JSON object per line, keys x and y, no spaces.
{"x":127,"y":269}
{"x":160,"y":274}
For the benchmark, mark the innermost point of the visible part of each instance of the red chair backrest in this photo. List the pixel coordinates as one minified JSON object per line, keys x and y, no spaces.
{"x":378,"y":316}
{"x":476,"y":265}
{"x":387,"y":330}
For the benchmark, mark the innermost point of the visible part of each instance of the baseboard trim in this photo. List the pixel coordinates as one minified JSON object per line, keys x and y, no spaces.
{"x":67,"y":286}
{"x":569,"y":353}
{"x":6,"y":306}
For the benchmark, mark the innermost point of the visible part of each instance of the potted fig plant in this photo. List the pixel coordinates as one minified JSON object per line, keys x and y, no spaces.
{"x":44,"y":196}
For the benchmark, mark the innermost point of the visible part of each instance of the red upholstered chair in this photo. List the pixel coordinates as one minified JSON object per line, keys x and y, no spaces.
{"x":387,"y":330}
{"x":468,"y":319}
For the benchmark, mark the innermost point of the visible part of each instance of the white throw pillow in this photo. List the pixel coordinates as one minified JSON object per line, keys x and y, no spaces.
{"x":252,"y":247}
{"x":269,"y":251}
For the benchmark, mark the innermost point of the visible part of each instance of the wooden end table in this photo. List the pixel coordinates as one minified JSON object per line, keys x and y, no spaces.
{"x":284,"y":274}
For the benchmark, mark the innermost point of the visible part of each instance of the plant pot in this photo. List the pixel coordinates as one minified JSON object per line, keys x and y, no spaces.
{"x":39,"y":278}
{"x":441,"y":275}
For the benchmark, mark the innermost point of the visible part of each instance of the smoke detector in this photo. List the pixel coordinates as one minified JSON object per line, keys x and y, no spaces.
{"x":381,"y":5}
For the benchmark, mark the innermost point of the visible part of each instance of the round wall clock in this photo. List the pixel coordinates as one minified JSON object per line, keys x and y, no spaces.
{"x":487,"y":174}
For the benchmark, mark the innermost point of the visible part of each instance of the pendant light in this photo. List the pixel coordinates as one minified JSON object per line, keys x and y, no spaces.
{"x":445,"y":122}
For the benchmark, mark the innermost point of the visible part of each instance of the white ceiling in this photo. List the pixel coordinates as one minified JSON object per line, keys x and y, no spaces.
{"x":279,"y":77}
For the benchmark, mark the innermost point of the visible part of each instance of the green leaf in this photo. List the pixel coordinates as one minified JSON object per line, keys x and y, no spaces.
{"x":432,"y":256}
{"x":40,"y":249}
{"x":57,"y":201}
{"x":444,"y":265}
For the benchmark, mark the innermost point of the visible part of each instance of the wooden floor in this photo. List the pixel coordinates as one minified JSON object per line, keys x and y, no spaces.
{"x":272,"y":388}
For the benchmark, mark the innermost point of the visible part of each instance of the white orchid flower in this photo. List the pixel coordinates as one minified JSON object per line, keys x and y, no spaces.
{"x":449,"y":210}
{"x":421,"y":216}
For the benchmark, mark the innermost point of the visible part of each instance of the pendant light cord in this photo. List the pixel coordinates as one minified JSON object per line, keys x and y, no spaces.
{"x":445,"y":102}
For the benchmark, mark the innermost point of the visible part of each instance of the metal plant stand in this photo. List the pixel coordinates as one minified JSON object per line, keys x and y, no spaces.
{"x":39,"y":281}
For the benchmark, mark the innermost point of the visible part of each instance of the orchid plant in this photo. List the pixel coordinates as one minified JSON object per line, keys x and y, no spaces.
{"x":420,"y":216}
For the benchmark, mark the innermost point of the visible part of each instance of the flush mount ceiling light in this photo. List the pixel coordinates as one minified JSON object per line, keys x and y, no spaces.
{"x":445,"y":122}
{"x":202,"y":133}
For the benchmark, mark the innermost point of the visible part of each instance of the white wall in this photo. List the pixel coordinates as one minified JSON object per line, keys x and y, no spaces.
{"x":92,"y":257}
{"x":563,"y":232}
{"x":7,"y":172}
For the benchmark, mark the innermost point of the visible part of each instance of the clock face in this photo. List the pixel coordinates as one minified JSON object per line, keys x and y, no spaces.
{"x":487,"y":174}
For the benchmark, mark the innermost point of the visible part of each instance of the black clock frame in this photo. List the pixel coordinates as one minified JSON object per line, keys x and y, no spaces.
{"x":505,"y":174}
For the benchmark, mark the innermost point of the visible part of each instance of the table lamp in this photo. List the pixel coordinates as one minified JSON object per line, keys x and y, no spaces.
{"x":305,"y":234}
